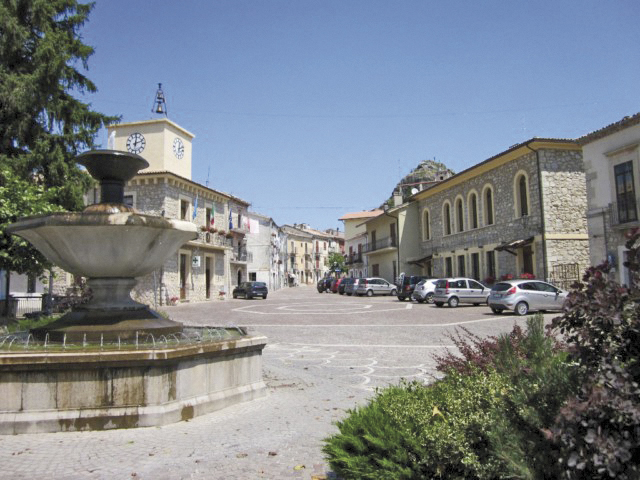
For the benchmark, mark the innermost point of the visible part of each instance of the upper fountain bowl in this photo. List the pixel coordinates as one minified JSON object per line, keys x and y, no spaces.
{"x":112,"y":164}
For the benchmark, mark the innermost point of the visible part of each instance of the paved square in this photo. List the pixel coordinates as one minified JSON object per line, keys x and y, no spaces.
{"x":326,"y":353}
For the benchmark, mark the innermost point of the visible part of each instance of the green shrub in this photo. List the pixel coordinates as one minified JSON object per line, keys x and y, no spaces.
{"x":412,"y":431}
{"x":488,"y":418}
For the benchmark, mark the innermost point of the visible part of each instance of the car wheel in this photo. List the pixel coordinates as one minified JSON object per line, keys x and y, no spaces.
{"x":394,"y":292}
{"x":453,"y":302}
{"x":420,"y":300}
{"x":349,"y":294}
{"x":522,"y":308}
{"x":497,"y":311}
{"x":400,"y":298}
{"x":264,"y":297}
{"x":429,"y":297}
{"x":248,"y":297}
{"x":439,"y":304}
{"x":369,"y":293}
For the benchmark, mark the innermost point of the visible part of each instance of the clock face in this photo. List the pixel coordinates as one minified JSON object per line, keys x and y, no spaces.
{"x":178,"y":148}
{"x":136,"y":143}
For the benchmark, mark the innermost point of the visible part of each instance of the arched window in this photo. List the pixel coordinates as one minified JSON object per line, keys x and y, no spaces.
{"x":426,"y":225}
{"x":488,"y":206}
{"x":473,"y":210}
{"x":522,"y":195}
{"x":459,"y":216}
{"x":447,"y":218}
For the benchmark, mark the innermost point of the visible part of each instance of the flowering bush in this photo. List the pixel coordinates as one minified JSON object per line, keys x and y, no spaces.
{"x":506,"y":276}
{"x":173,"y":300}
{"x":527,"y":276}
{"x":489,"y":280}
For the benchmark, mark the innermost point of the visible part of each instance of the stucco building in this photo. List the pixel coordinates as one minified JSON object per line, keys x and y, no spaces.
{"x":264,"y":243}
{"x":612,"y":165}
{"x":522,"y":211}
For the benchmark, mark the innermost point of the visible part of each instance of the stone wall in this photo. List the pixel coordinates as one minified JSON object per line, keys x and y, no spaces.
{"x":564,"y":206}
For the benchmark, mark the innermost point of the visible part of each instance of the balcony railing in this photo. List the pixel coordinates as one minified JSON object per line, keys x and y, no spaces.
{"x":353,"y":258}
{"x":214,"y":239}
{"x":621,"y":214}
{"x":242,"y":256}
{"x":380,"y":243}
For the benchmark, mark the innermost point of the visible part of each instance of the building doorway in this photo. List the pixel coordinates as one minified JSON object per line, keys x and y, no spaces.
{"x":207,"y":278}
{"x":183,"y":276}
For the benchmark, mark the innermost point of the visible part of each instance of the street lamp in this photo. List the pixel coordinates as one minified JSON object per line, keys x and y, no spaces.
{"x":385,"y":210}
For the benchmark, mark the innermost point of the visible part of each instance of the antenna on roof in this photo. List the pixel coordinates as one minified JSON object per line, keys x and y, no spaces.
{"x":159,"y":104}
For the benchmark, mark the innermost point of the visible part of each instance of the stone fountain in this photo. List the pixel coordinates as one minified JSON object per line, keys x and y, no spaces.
{"x":114,"y":362}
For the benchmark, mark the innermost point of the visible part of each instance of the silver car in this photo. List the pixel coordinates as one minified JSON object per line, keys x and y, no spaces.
{"x":522,"y":296}
{"x":455,"y":291}
{"x":375,"y":286}
{"x":424,"y":291}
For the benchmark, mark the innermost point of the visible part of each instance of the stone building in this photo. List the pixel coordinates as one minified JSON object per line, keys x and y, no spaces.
{"x":612,"y":166}
{"x":203,"y":269}
{"x":522,"y":211}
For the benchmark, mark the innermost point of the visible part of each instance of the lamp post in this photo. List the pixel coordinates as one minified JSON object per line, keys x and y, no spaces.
{"x":385,"y":210}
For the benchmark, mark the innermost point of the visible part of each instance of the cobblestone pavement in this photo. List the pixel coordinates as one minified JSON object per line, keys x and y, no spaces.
{"x":326,"y":354}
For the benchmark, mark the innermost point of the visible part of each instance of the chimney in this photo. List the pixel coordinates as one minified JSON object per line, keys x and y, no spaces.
{"x":397,"y":198}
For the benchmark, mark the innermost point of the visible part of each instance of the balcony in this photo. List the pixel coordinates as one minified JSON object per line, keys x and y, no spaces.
{"x":241,"y":256}
{"x":214,"y":239}
{"x":381,"y":245}
{"x":623,"y":214}
{"x":353,"y":258}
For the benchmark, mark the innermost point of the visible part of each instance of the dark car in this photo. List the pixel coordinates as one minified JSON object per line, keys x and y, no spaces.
{"x":342,"y":288}
{"x":250,"y":290}
{"x":409,"y":283}
{"x":321,"y":285}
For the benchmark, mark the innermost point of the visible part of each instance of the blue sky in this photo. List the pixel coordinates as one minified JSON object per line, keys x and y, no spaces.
{"x":311,"y":109}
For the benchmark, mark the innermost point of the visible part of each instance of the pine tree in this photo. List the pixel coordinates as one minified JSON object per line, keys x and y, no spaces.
{"x":43,"y":126}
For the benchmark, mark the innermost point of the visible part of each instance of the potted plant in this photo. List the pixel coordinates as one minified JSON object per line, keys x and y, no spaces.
{"x":527,"y":276}
{"x":506,"y":276}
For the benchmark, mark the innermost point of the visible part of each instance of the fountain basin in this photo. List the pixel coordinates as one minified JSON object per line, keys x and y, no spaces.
{"x":55,"y":391}
{"x":123,"y":244}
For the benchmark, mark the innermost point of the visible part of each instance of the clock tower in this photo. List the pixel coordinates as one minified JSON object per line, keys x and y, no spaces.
{"x":162,"y":143}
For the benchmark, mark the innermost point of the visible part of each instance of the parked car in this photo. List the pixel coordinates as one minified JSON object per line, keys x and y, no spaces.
{"x":522,"y":296}
{"x":250,"y":290}
{"x":409,"y":283}
{"x":350,"y":288}
{"x":424,"y":290}
{"x":342,"y":288}
{"x":320,"y":286}
{"x":460,"y":290}
{"x":375,"y":286}
{"x":335,"y":285}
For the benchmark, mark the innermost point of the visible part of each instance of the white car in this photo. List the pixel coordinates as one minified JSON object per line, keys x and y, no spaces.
{"x":455,"y":291}
{"x":424,"y":291}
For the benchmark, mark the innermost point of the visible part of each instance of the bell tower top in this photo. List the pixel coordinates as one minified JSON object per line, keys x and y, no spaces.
{"x":162,"y":143}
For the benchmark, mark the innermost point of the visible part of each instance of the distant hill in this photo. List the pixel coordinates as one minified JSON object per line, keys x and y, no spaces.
{"x":425,"y":175}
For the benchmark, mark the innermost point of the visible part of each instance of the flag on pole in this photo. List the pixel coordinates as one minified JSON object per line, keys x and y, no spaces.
{"x":195,"y":207}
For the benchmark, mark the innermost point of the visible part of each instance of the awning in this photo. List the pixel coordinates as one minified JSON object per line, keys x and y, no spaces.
{"x":509,"y":247}
{"x":419,"y":260}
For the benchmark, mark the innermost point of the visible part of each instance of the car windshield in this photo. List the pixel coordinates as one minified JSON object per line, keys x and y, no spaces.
{"x":259,"y":284}
{"x":441,"y":284}
{"x":501,"y":287}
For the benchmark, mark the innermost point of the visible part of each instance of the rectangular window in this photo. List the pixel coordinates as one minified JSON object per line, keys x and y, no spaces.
{"x":207,"y":214}
{"x":475,"y":266}
{"x":625,"y":192}
{"x":252,"y":276}
{"x":128,"y":200}
{"x":461,"y":270}
{"x":392,"y":234}
{"x":448,"y":267}
{"x":373,"y":241}
{"x":376,"y":270}
{"x":491,"y":264}
{"x":184,"y":210}
{"x":527,"y":259}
